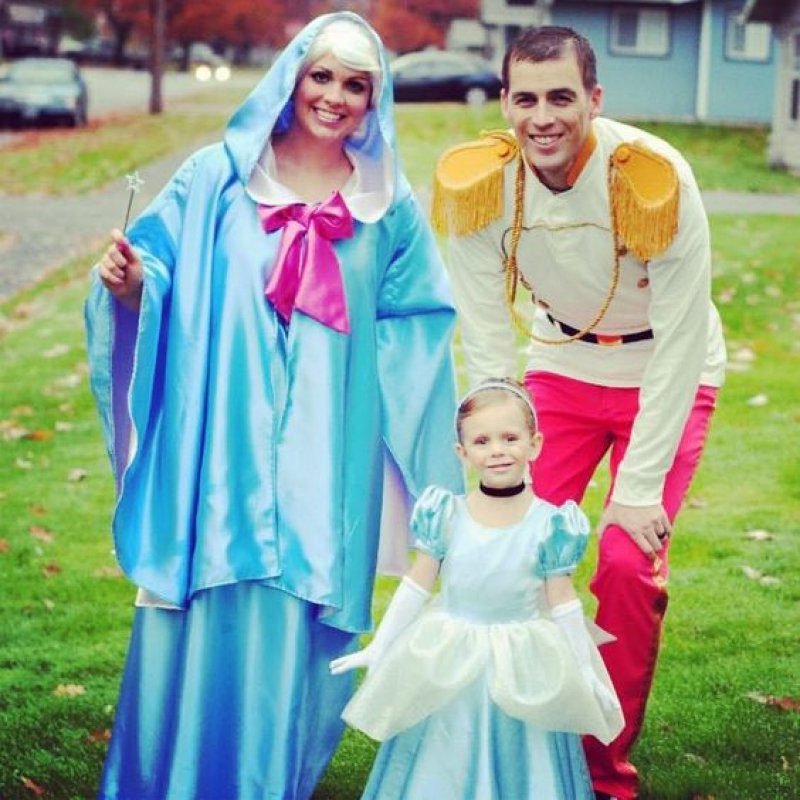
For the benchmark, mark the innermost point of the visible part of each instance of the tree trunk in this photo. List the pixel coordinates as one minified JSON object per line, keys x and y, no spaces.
{"x":157,"y":55}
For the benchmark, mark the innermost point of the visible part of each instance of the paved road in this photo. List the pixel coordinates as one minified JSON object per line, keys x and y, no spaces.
{"x":40,"y":233}
{"x":113,"y":90}
{"x":45,"y":232}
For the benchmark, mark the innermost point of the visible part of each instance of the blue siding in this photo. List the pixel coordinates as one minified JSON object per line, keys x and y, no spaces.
{"x":666,"y":87}
{"x":739,"y":90}
{"x":641,"y":86}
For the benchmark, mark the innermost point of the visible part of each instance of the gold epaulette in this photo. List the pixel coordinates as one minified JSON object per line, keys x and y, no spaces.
{"x":468,"y":183}
{"x":644,"y":199}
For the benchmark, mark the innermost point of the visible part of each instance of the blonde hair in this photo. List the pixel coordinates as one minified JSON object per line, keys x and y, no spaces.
{"x":348,"y":42}
{"x":490,"y":392}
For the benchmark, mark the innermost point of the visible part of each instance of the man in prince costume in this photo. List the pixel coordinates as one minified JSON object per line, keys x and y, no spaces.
{"x":258,"y":441}
{"x":604,"y":223}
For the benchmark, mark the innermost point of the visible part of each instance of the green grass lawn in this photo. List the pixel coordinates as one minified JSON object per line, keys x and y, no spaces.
{"x":723,"y":721}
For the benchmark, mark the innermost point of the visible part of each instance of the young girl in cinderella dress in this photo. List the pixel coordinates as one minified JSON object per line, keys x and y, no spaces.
{"x":483,"y":694}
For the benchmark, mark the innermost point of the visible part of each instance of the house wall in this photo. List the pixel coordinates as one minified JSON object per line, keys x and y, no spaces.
{"x":659,"y":87}
{"x":738,"y":90}
{"x":641,"y":86}
{"x":784,"y":145}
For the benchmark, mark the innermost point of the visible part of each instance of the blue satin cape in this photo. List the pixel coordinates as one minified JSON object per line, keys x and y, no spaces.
{"x":249,"y":460}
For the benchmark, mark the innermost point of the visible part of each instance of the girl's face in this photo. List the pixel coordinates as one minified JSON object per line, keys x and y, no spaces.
{"x":330,"y":100}
{"x":497,"y":443}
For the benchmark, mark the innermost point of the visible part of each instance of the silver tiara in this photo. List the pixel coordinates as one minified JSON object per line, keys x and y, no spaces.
{"x":490,"y":384}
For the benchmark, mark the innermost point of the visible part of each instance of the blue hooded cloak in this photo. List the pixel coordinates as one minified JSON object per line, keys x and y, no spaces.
{"x":248,"y":450}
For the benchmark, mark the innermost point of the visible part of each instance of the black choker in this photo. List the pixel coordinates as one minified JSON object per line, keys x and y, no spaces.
{"x":505,"y":491}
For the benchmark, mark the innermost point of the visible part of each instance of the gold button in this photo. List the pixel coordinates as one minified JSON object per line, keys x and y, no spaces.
{"x":623,"y":154}
{"x":643,"y":283}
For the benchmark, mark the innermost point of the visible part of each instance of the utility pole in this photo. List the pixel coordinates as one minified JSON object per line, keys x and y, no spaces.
{"x":158,"y":21}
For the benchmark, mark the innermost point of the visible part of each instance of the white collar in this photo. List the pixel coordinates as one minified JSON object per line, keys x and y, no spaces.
{"x":367,"y":192}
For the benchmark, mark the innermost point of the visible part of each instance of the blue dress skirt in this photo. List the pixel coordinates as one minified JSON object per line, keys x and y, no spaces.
{"x":481,"y":697}
{"x":229,"y":700}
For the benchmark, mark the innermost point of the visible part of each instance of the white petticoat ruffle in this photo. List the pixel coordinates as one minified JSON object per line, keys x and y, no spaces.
{"x":529,"y":669}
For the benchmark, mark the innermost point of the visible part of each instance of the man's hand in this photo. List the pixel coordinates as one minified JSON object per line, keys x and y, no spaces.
{"x":120,"y":270}
{"x":648,"y":526}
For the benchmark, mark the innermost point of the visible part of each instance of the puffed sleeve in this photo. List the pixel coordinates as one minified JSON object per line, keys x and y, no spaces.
{"x":566,"y":541}
{"x":431,"y":521}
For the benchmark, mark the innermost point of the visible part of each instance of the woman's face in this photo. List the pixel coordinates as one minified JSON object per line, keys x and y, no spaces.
{"x":330,"y":100}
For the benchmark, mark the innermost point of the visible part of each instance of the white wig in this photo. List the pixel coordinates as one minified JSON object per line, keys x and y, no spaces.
{"x":349,"y":43}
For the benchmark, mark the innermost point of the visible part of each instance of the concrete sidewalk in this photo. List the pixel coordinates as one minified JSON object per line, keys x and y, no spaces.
{"x":46,"y":232}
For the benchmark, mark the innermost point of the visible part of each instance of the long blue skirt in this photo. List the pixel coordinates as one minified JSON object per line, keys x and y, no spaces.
{"x":472,"y":750}
{"x":229,"y":700}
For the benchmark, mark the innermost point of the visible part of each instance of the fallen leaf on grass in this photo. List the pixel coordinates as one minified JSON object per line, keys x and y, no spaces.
{"x":39,"y":436}
{"x":22,"y":411}
{"x":697,"y":502}
{"x":42,"y":534}
{"x":759,"y":536}
{"x":33,"y":787}
{"x":758,"y":400}
{"x":48,"y":604}
{"x":757,"y":575}
{"x":56,"y":350}
{"x":25,"y":310}
{"x":63,"y":427}
{"x":694,"y":758}
{"x":4,"y":546}
{"x":71,"y":381}
{"x":12,"y":431}
{"x":37,"y":510}
{"x":744,"y":354}
{"x":69,"y":690}
{"x":76,"y":475}
{"x":108,"y":572}
{"x":23,"y":463}
{"x":97,"y":737}
{"x":51,"y":570}
{"x":782,"y":703}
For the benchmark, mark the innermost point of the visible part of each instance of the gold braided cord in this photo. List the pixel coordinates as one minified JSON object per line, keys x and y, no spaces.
{"x":513,"y":277}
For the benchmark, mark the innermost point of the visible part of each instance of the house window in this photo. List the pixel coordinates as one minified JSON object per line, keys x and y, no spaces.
{"x":640,"y":31}
{"x":520,"y":2}
{"x":746,"y":41}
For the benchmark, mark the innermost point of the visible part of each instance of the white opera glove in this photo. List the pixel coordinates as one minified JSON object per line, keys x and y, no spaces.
{"x":569,"y":618}
{"x":404,"y":608}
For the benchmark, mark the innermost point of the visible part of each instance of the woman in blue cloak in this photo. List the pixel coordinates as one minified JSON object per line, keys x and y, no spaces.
{"x":270,"y":354}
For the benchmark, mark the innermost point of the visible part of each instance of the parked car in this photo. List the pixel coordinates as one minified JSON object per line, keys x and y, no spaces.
{"x":206,"y":64}
{"x":41,"y":90}
{"x":440,"y":75}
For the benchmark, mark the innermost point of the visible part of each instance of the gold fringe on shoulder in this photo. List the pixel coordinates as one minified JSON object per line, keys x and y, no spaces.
{"x":644,"y":199}
{"x":468,"y":183}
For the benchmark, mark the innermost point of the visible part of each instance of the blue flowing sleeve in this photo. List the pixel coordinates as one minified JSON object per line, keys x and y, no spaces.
{"x":114,"y":332}
{"x":566,"y":541}
{"x":415,"y":325}
{"x":431,"y":521}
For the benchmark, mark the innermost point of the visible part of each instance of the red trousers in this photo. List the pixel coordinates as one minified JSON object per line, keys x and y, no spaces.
{"x":581,"y":422}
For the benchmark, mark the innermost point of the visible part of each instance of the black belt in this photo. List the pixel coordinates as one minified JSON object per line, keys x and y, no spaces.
{"x":600,"y":338}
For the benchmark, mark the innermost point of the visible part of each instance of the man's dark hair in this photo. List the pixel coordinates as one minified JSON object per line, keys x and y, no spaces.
{"x":547,"y":43}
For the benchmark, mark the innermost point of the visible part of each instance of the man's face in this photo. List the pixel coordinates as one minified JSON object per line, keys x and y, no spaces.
{"x":550,"y":111}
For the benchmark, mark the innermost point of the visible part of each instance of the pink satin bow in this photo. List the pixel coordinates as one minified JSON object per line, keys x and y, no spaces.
{"x":307,"y":275}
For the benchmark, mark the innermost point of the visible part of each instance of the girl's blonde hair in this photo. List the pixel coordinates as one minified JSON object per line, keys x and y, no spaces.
{"x":491,"y":391}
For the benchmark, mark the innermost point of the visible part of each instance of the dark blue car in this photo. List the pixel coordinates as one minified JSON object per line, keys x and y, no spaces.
{"x":431,"y":75}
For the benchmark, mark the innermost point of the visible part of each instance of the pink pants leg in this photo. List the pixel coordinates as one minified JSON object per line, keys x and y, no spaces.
{"x":581,"y":422}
